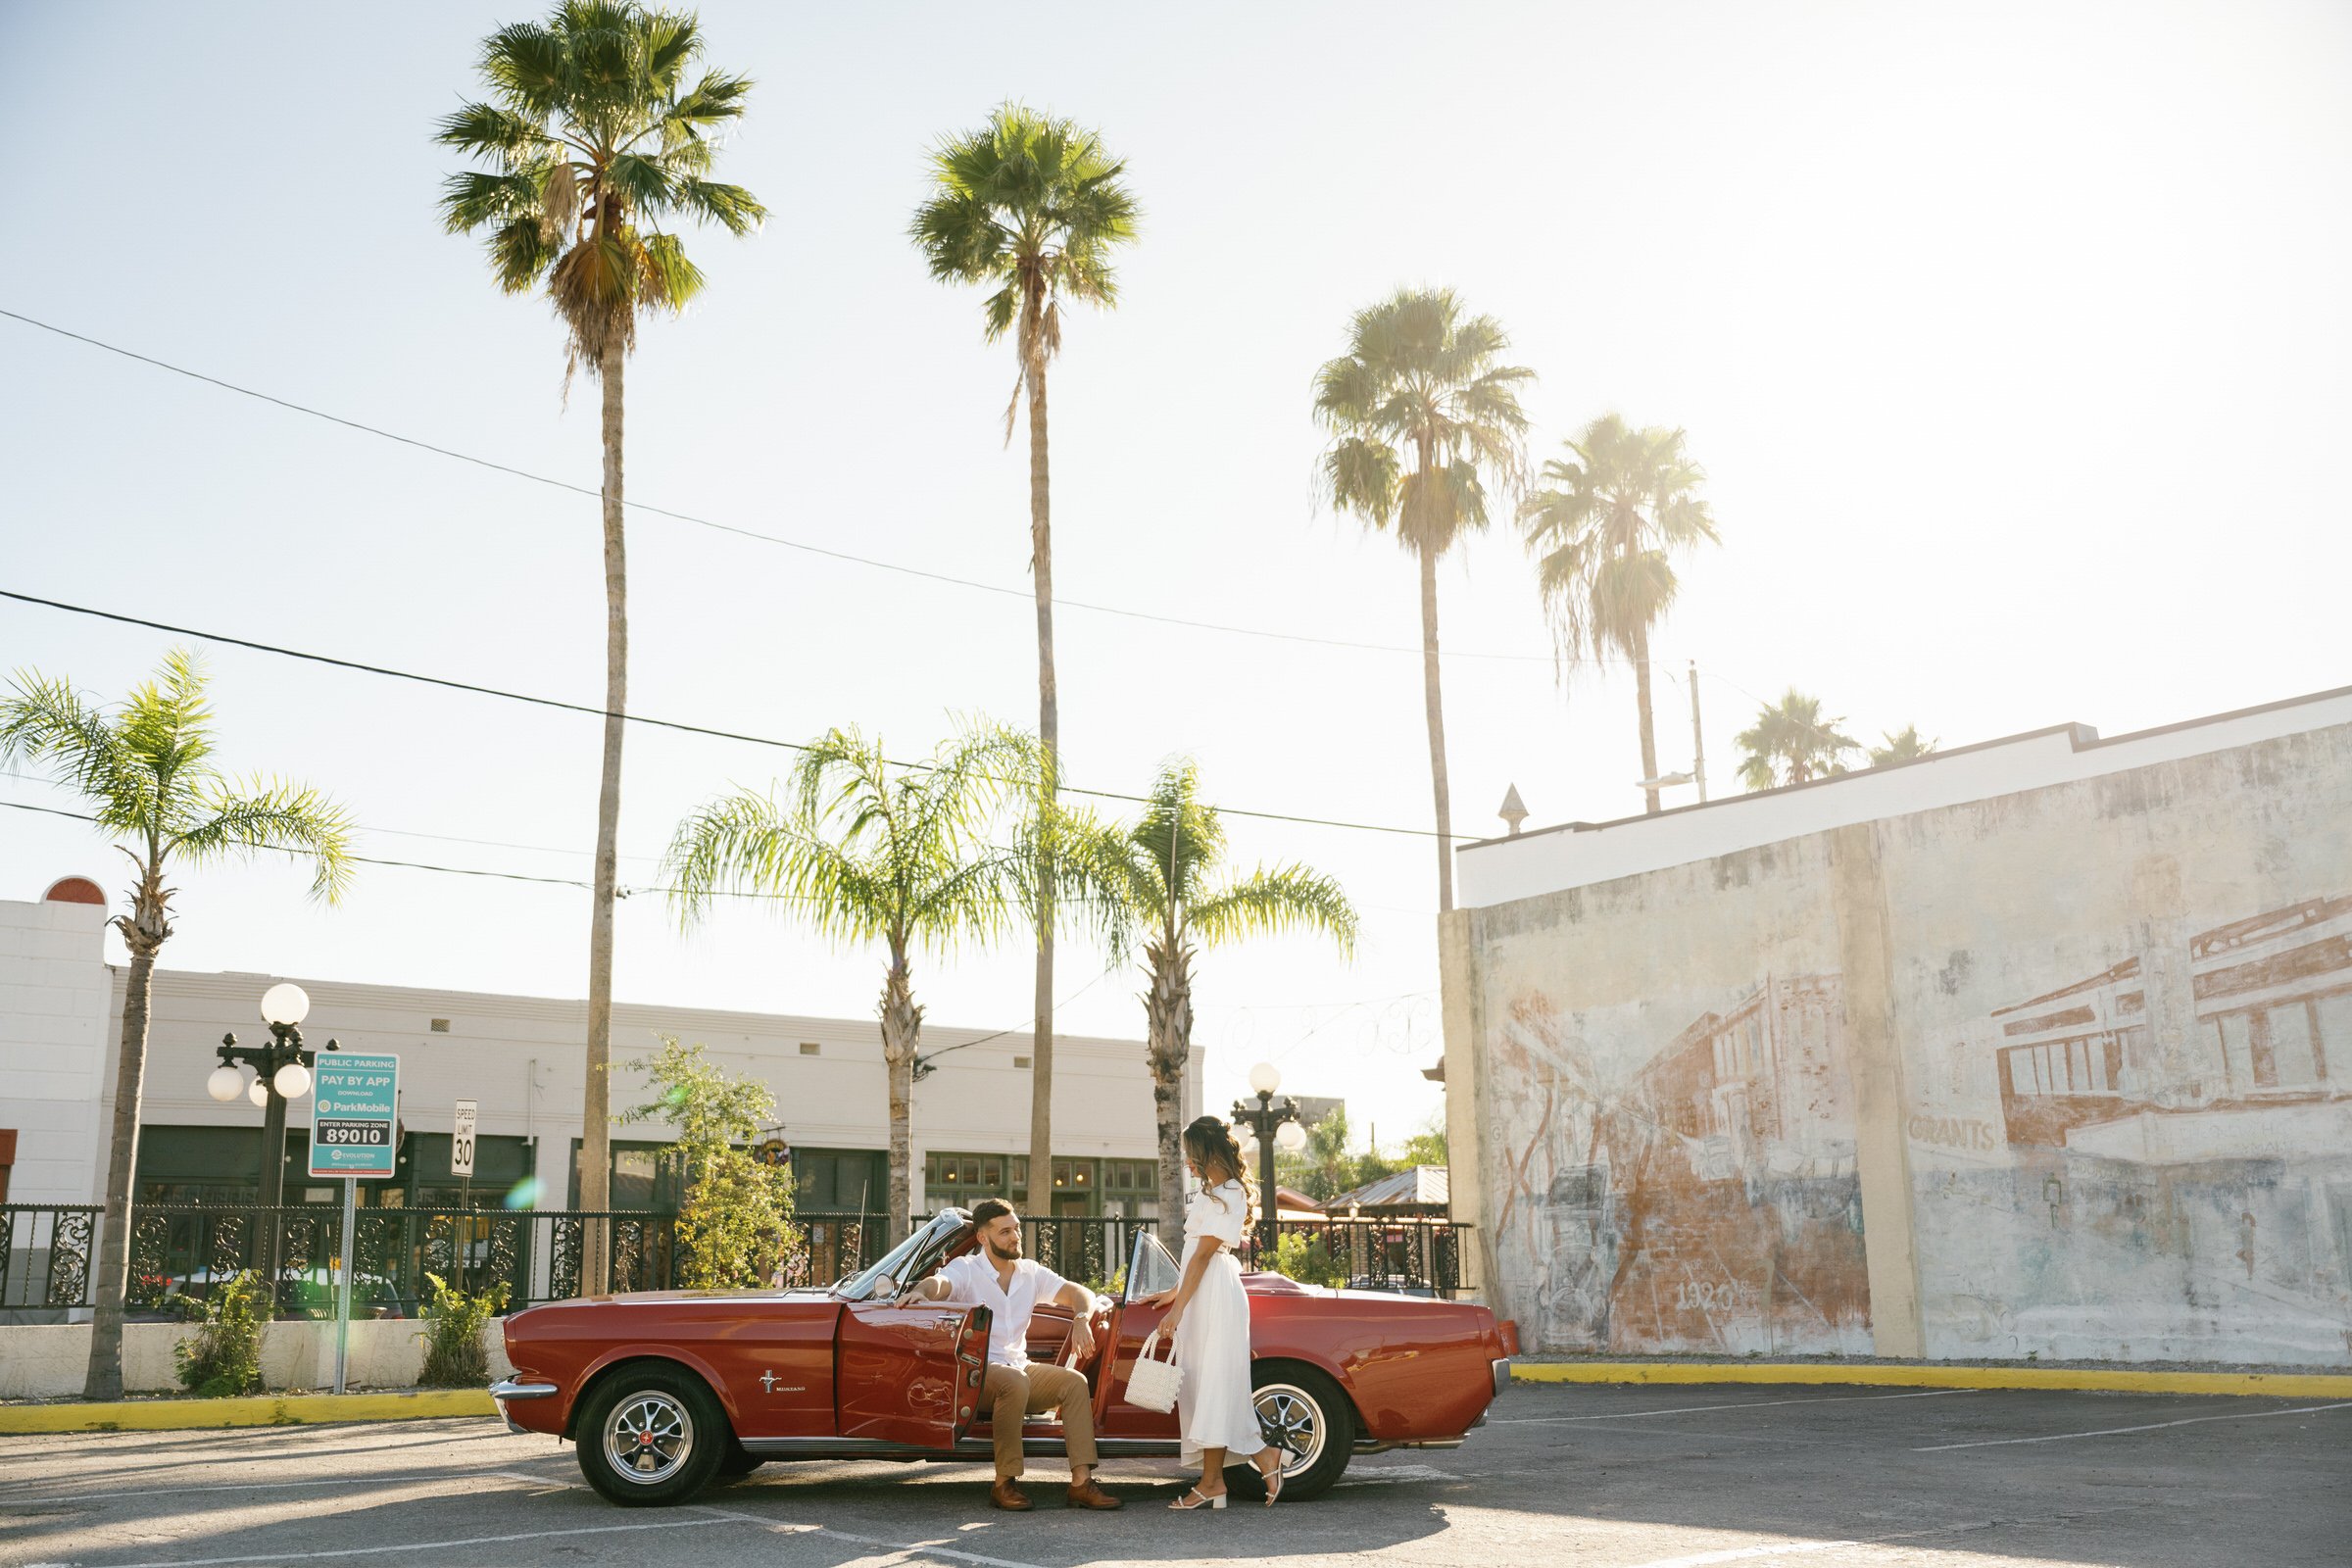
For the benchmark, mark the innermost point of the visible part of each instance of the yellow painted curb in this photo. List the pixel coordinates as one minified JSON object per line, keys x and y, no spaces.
{"x":260,"y":1410}
{"x":2111,"y":1380}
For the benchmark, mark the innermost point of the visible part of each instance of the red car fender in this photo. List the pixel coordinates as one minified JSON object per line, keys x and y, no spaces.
{"x":650,"y":1352}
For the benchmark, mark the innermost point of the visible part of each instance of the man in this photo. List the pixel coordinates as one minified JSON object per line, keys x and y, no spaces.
{"x":997,"y":1277}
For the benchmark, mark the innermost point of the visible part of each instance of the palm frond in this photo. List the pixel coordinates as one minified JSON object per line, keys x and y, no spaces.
{"x":273,"y":815}
{"x":1273,"y":900}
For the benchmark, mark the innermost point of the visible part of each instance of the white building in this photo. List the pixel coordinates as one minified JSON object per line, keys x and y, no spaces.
{"x":521,"y":1059}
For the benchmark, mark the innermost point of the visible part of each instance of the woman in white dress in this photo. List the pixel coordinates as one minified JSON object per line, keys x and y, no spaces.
{"x":1208,"y":1318}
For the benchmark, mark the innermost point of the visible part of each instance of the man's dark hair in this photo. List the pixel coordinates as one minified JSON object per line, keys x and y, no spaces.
{"x":988,"y":1210}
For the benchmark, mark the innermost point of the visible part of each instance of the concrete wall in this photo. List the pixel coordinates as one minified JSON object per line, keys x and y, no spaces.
{"x":2063,"y":1071}
{"x":53,"y":1055}
{"x":48,"y":1360}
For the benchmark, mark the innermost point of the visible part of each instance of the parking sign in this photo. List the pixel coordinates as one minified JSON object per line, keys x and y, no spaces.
{"x":355,"y":1107}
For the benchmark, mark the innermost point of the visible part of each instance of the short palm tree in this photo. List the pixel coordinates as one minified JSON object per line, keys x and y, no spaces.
{"x":1423,"y":416}
{"x":146,"y":769}
{"x":595,"y":139}
{"x":1606,"y":525}
{"x":1164,"y":876}
{"x":864,"y":856}
{"x":1031,"y":208}
{"x":1791,"y":742}
{"x":1902,"y":746}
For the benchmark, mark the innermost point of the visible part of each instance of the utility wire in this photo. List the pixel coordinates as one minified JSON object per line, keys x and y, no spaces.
{"x":1023,"y":594}
{"x":641,"y":718}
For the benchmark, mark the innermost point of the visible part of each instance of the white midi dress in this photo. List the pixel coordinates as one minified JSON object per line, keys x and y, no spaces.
{"x":1213,"y":1405}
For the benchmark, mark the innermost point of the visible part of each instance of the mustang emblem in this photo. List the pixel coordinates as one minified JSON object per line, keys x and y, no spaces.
{"x":767,"y":1381}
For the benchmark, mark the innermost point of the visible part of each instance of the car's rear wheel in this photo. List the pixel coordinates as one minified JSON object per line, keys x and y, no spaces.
{"x":1308,"y":1420}
{"x":652,"y":1434}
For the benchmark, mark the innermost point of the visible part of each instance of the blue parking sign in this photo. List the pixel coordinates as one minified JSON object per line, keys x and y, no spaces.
{"x":355,"y":1113}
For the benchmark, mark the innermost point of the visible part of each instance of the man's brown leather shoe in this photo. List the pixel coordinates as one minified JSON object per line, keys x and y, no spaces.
{"x":1005,"y":1494}
{"x":1086,"y":1495}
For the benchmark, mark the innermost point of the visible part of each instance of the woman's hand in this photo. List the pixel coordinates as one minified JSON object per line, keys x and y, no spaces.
{"x":1163,"y":1298}
{"x":1167,"y":1325}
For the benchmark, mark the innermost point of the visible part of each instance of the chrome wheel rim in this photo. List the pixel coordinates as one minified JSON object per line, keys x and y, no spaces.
{"x":648,"y":1438}
{"x":1291,"y":1421}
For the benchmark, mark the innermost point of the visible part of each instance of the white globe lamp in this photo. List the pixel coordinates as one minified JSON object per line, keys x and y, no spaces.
{"x":259,"y":1092}
{"x":1264,"y":1078}
{"x":285,"y":1003}
{"x":1290,"y":1136}
{"x":225,"y":1084}
{"x":293,"y":1079}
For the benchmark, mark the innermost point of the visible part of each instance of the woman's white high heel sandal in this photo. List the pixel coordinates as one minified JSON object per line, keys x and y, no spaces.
{"x":1195,"y":1498}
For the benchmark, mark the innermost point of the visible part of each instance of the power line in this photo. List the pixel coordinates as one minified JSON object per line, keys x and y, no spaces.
{"x":641,"y":718}
{"x":803,"y":545}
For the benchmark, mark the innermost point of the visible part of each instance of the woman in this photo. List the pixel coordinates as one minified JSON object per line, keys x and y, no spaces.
{"x":1208,"y":1319}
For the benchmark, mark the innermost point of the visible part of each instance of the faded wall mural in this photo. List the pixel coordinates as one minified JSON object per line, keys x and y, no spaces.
{"x":2115,"y":1023}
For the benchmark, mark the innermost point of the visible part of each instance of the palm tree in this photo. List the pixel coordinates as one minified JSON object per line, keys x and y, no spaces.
{"x":1163,"y":875}
{"x":865,"y":857}
{"x":1422,"y":415}
{"x":594,"y":140}
{"x":1791,"y":743}
{"x":1605,"y":527}
{"x":1031,"y":207}
{"x":1903,"y":746}
{"x":146,"y":769}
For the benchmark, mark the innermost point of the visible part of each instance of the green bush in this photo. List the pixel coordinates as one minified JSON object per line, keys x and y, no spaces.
{"x":1308,"y":1260}
{"x":223,"y":1359}
{"x":453,"y":1358}
{"x":735,"y":1225}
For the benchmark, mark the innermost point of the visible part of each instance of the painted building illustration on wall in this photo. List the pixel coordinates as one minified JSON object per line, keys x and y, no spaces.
{"x":2043,"y":1047}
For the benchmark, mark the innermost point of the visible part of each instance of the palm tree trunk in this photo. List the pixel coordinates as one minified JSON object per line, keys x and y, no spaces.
{"x":1168,"y":1047}
{"x":1437,"y":727}
{"x":1048,"y":735}
{"x":902,"y":1034}
{"x":104,"y":1377}
{"x":1649,"y":737}
{"x":596,"y":1114}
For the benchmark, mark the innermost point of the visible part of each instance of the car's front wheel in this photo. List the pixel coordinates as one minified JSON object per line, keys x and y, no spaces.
{"x":1306,"y":1418}
{"x":652,"y":1435}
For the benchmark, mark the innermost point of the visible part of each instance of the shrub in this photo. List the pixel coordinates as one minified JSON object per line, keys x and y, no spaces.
{"x":735,"y":1225}
{"x":1308,"y":1260}
{"x":453,"y":1358}
{"x":223,"y":1356}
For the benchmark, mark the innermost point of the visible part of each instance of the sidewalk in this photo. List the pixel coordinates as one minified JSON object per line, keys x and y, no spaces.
{"x":255,"y":1410}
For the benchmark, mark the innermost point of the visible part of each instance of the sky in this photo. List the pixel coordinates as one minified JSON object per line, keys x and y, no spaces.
{"x":2013,"y":341}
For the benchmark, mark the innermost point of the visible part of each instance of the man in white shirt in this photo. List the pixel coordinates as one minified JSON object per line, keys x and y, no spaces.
{"x":997,"y":1277}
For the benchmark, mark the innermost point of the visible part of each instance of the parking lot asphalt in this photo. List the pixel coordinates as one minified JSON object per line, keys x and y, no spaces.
{"x":1606,"y":1477}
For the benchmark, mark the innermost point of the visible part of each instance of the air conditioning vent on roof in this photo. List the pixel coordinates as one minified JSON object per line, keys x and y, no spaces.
{"x":809,"y":1047}
{"x":440,"y":1026}
{"x":1020,"y":1062}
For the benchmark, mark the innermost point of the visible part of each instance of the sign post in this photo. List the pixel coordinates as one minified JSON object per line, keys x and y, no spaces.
{"x":354,"y":1111}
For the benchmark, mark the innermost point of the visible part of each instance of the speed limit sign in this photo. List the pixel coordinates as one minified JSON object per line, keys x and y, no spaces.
{"x":460,"y":1141}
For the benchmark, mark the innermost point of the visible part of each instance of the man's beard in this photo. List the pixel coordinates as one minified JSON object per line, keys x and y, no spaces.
{"x":1000,"y":1255}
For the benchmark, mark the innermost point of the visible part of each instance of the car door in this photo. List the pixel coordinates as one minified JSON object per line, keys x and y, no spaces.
{"x":909,"y":1374}
{"x":1150,"y":1270}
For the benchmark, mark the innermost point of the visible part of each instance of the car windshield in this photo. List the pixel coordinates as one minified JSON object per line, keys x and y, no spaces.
{"x":913,"y":1258}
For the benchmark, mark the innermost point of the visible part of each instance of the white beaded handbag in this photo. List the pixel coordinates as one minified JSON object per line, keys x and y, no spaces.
{"x":1153,"y":1383}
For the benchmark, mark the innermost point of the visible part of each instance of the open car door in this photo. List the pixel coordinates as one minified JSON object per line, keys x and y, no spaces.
{"x":910,"y":1374}
{"x":1150,"y":1270}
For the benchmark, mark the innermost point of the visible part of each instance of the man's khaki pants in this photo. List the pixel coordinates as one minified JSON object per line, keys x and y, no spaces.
{"x":1009,"y":1394}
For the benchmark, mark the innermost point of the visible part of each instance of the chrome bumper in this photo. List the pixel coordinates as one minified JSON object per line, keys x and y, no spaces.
{"x":506,"y":1389}
{"x":1503,"y":1373}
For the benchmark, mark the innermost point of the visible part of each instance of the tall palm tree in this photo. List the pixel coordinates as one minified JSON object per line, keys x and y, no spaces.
{"x":1791,"y":742}
{"x":146,"y":769}
{"x":1031,"y":207}
{"x":1605,"y":527}
{"x":1165,"y":875}
{"x":1902,"y":746}
{"x":865,"y":856}
{"x":1423,"y":416}
{"x":595,"y":139}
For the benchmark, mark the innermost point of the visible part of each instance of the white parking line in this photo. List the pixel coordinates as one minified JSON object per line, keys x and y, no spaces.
{"x":920,"y":1548}
{"x":1742,"y":1404}
{"x":421,"y":1545}
{"x":8,"y":1501}
{"x":1784,"y":1549}
{"x":2152,"y":1426}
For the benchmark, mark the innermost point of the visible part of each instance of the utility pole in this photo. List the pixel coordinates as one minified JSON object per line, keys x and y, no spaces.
{"x":1698,"y":741}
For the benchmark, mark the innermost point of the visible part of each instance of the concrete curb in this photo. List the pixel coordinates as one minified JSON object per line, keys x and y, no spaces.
{"x":260,"y":1410}
{"x":2109,"y":1379}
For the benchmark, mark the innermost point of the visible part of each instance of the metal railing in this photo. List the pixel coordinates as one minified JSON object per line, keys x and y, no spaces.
{"x":179,"y":1251}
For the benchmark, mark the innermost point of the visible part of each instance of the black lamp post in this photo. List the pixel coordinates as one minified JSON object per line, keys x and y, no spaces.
{"x":1265,"y":1120}
{"x":281,"y":1068}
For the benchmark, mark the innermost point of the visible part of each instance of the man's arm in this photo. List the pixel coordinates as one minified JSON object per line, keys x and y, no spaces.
{"x":1081,"y":1303}
{"x":939,"y":1287}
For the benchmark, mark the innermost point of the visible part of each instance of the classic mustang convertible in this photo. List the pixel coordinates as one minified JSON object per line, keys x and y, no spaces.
{"x":665,"y":1391}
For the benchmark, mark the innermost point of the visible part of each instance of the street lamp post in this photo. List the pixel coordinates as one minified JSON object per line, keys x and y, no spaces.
{"x":281,"y":1073}
{"x":1269,"y":1124}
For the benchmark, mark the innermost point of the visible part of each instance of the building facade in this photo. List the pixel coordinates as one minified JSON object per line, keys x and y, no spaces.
{"x":2040,"y":1047}
{"x":520,"y":1060}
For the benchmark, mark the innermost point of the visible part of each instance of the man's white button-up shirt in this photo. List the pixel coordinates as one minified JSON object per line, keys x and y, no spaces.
{"x":972,"y":1282}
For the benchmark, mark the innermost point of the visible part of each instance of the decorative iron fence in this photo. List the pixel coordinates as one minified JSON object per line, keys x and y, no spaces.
{"x":178,"y":1252}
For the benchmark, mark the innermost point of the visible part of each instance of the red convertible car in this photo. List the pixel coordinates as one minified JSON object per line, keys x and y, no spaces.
{"x":665,"y":1391}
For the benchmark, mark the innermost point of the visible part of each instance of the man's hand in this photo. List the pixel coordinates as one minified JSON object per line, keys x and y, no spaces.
{"x":1082,"y":1337}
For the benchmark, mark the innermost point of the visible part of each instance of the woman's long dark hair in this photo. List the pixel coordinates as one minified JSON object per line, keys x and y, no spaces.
{"x":1210,"y":1144}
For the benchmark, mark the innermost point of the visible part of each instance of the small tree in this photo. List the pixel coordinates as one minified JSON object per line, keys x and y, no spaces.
{"x":453,"y":1358}
{"x":1902,"y":746}
{"x":223,"y":1359}
{"x":1791,"y":742}
{"x":735,"y":1225}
